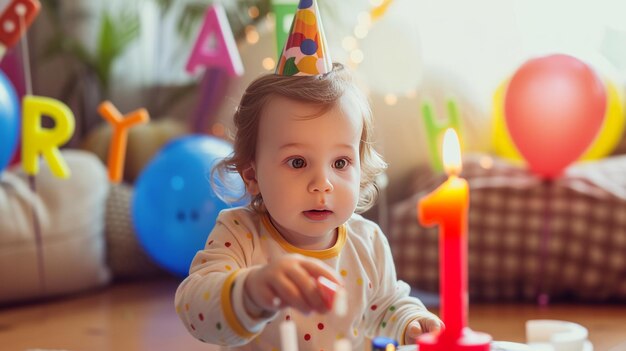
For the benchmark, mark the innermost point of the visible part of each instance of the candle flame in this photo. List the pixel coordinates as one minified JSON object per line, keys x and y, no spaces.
{"x":451,"y":152}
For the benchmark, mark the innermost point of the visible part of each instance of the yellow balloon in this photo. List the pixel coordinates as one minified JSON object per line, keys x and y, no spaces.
{"x":502,"y":142}
{"x":607,"y":139}
{"x":612,"y":128}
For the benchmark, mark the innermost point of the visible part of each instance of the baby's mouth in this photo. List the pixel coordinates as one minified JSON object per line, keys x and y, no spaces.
{"x":317,"y":215}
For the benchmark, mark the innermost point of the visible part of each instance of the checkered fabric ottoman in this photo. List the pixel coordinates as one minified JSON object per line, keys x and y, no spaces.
{"x":565,"y":238}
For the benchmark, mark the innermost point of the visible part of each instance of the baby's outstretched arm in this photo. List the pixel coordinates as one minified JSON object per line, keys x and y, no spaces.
{"x":393,"y":312}
{"x":288,"y":281}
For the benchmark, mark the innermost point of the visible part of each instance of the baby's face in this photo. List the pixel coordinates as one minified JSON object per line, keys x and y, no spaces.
{"x":308,"y":168}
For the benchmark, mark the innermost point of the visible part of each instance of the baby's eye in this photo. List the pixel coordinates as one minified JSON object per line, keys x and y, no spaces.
{"x":296,"y":162}
{"x":341,"y":163}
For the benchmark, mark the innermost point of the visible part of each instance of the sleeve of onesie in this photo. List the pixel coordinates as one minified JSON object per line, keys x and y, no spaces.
{"x":210,"y":300}
{"x":391,"y":308}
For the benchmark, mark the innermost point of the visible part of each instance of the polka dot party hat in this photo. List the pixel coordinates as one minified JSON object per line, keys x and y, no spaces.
{"x":305,"y":52}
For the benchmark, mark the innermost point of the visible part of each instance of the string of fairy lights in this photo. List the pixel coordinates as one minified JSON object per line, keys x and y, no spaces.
{"x":350,"y":43}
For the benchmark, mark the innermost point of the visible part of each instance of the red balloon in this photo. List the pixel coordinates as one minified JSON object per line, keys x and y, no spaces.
{"x":554,"y":107}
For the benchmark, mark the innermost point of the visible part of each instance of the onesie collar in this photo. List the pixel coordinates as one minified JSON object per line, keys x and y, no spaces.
{"x":331,"y":252}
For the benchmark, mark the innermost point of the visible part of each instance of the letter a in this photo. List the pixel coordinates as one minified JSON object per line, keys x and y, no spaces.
{"x":215,"y":46}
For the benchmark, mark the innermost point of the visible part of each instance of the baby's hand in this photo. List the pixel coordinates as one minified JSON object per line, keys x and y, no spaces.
{"x":289,"y":281}
{"x":424,"y":324}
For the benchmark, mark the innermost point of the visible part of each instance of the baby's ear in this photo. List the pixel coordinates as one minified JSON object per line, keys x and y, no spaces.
{"x":249,"y":178}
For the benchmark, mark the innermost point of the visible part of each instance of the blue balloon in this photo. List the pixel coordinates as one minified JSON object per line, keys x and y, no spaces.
{"x":9,"y":120}
{"x":174,"y":207}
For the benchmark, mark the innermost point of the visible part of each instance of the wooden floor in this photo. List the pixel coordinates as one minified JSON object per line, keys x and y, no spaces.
{"x":140,"y":316}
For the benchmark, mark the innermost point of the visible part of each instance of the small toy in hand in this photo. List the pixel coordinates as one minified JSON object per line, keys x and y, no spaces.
{"x":335,"y":297}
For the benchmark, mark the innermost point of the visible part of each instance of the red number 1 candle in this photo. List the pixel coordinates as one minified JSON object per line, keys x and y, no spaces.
{"x":447,"y":206}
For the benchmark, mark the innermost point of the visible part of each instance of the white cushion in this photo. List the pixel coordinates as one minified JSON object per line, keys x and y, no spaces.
{"x":70,"y":213}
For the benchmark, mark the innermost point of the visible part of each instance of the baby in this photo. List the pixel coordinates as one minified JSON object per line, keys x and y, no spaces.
{"x":303,"y":148}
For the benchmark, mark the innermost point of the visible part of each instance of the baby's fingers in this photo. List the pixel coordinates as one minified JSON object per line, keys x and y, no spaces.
{"x":266,"y":299}
{"x":430,"y":323}
{"x":289,"y":294}
{"x":413,"y":331}
{"x":318,"y":269}
{"x":308,"y":288}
